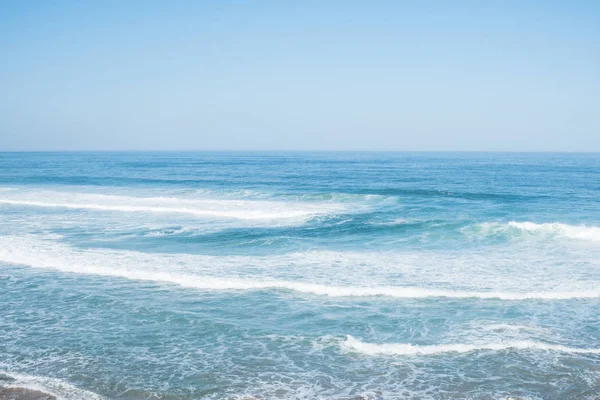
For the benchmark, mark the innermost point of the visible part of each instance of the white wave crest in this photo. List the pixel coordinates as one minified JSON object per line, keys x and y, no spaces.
{"x":356,"y":345}
{"x":56,"y":387}
{"x":571,"y":231}
{"x":579,"y":232}
{"x":217,"y":208}
{"x":191,"y":271}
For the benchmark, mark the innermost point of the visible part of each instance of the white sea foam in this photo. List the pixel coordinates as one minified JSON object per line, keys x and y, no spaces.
{"x":357,"y":345}
{"x":397,"y":221}
{"x":511,"y":328}
{"x":56,"y":387}
{"x":571,"y":231}
{"x":222,"y":273}
{"x":241,"y":214}
{"x":168,"y":232}
{"x":217,"y":208}
{"x":579,"y":232}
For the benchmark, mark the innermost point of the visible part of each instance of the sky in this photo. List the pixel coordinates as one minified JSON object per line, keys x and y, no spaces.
{"x":300,"y":75}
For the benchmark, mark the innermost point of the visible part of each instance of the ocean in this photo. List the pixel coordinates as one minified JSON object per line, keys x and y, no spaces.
{"x":338,"y":276}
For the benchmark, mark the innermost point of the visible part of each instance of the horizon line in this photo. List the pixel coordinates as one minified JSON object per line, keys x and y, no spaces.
{"x":294,"y":151}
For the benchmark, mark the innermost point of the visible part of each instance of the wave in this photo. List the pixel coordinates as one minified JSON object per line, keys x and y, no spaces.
{"x":196,"y":272}
{"x":168,"y":232}
{"x":514,"y":328}
{"x":571,"y":231}
{"x":357,"y":345}
{"x":55,"y":387}
{"x":433,"y":193}
{"x":579,"y":232}
{"x":220,"y":208}
{"x":250,"y":215}
{"x":397,"y":221}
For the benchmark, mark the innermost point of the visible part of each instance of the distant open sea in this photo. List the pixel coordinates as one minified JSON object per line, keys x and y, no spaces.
{"x":300,"y":275}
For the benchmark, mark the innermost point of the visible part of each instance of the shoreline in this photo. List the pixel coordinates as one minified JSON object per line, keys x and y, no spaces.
{"x":18,"y":393}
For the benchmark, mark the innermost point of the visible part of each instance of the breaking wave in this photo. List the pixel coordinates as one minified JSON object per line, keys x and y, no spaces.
{"x":197,"y":272}
{"x":578,"y":232}
{"x":55,"y":387}
{"x":357,"y":345}
{"x":571,"y":231}
{"x":218,"y":208}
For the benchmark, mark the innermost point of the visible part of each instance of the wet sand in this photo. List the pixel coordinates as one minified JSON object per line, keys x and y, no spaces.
{"x":23,"y":394}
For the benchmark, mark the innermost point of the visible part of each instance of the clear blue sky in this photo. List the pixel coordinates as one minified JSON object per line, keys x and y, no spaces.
{"x":306,"y":75}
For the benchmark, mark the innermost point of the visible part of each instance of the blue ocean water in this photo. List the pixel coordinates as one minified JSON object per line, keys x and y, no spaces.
{"x":300,"y":275}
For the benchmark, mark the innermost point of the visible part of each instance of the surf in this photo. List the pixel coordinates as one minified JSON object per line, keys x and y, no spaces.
{"x":549,"y":230}
{"x":198,"y":272}
{"x":52,"y":386}
{"x":240,"y":209}
{"x":405,"y":349}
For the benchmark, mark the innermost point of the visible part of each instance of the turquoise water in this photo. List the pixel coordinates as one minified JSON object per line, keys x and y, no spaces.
{"x":300,"y":276}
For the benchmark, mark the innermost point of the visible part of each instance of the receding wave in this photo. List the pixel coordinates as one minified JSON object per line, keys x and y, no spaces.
{"x":148,"y":267}
{"x":353,"y":344}
{"x":579,"y":232}
{"x":55,"y":387}
{"x":219,"y":208}
{"x":191,"y":211}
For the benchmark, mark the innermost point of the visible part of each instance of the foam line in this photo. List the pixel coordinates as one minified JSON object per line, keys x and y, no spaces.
{"x":359,"y":346}
{"x":579,"y":232}
{"x":222,"y":272}
{"x":56,"y":387}
{"x":232,"y":213}
{"x":226,"y":283}
{"x":571,"y":231}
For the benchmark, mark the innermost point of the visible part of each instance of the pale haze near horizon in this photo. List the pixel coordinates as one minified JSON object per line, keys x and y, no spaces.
{"x":401,"y":76}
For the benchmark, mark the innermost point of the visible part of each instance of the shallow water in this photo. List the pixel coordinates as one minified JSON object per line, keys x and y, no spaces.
{"x":300,"y":276}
